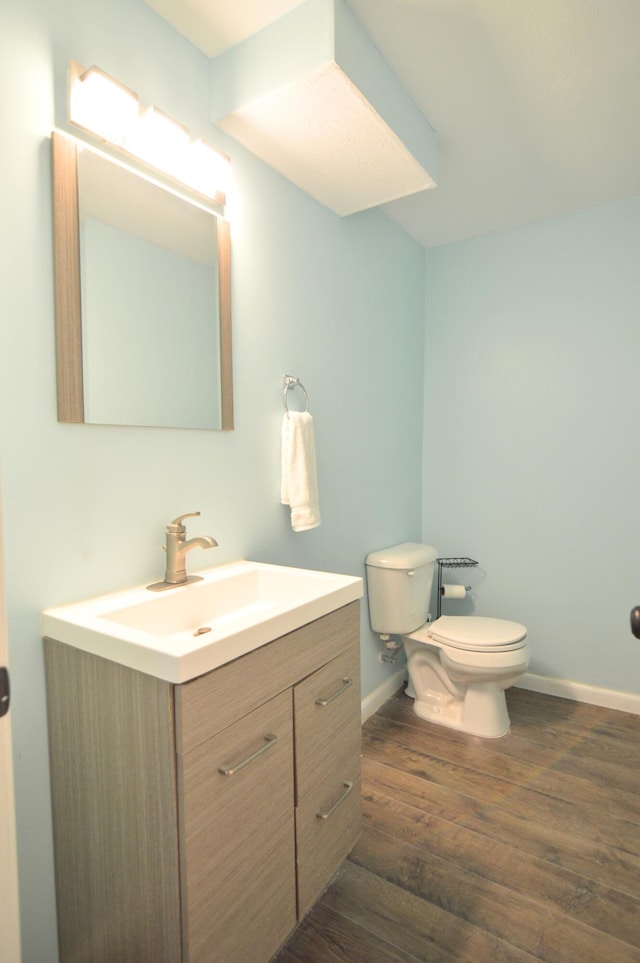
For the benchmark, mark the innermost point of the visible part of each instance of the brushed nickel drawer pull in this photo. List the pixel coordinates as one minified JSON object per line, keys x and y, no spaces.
{"x":325,"y":702}
{"x":348,"y":786}
{"x":232,"y":770}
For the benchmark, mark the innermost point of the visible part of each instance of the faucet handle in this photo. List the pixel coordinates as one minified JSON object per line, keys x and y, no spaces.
{"x":176,"y":527}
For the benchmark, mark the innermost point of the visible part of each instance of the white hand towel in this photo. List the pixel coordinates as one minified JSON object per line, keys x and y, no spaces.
{"x":299,"y":486}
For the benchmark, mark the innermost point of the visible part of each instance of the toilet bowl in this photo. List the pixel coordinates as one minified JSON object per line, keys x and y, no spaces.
{"x":459,"y":671}
{"x":459,"y":666}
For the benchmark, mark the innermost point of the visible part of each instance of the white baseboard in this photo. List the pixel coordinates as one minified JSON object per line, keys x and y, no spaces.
{"x":384,"y":691}
{"x":564,"y":688}
{"x":579,"y":692}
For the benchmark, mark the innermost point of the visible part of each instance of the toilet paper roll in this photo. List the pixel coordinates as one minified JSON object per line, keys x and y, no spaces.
{"x":453,"y":591}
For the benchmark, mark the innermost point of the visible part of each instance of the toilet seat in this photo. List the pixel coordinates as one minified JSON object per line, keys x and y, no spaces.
{"x":476,"y":642}
{"x":477,"y":633}
{"x":483,"y":639}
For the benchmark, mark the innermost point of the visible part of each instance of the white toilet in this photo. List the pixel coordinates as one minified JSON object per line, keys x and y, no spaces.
{"x":459,"y":666}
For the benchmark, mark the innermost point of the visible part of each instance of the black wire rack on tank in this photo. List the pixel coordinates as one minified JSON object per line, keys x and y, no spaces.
{"x":456,"y":561}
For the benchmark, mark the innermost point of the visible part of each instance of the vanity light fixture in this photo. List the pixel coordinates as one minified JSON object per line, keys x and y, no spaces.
{"x":112,"y":113}
{"x":102,"y":105}
{"x":208,"y":169}
{"x":160,"y":141}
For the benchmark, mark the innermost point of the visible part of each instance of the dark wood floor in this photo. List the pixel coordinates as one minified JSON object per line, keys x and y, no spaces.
{"x":515,"y":849}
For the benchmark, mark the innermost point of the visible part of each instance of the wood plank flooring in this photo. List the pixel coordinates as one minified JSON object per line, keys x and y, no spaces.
{"x":489,"y":851}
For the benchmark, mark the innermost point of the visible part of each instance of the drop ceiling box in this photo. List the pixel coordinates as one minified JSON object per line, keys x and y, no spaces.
{"x":311,"y":95}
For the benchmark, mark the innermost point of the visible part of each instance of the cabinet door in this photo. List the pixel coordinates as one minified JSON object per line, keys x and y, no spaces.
{"x":327,"y":828}
{"x":327,"y":718}
{"x":238,"y":839}
{"x":327,"y":739}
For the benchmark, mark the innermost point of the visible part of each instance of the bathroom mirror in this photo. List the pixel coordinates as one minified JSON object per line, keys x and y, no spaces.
{"x":143,"y":302}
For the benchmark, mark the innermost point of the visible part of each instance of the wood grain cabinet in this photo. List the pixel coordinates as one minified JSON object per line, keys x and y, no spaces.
{"x":327,"y":748}
{"x":198,"y":823}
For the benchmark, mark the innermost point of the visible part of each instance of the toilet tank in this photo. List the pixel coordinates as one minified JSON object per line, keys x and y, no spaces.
{"x":399,"y":581}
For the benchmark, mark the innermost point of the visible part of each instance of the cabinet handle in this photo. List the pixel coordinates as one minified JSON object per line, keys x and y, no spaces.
{"x":348,"y":786}
{"x":325,"y":702}
{"x":232,"y":770}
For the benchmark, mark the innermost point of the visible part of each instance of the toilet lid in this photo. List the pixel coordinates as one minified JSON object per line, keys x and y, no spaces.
{"x":476,"y":632}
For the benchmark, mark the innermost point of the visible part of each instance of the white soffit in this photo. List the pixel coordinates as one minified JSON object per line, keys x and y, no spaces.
{"x":311,"y":96}
{"x":322,"y":134}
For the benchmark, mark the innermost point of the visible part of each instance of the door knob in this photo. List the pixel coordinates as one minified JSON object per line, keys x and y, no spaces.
{"x":4,"y":690}
{"x":635,"y":621}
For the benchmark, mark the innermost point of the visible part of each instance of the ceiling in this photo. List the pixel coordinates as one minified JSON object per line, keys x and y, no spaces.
{"x":535,"y":103}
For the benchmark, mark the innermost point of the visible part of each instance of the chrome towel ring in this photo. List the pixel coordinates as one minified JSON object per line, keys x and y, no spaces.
{"x":289,"y":382}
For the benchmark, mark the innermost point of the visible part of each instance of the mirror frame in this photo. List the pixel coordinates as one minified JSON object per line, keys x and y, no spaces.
{"x":68,"y":303}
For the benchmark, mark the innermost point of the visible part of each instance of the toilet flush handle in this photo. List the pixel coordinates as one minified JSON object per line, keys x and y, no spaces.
{"x":411,"y":572}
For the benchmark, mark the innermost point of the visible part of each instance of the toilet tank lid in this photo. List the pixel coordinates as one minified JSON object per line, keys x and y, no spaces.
{"x":406,"y":556}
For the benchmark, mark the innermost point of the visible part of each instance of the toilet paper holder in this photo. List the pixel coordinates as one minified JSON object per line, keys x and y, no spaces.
{"x":453,"y":562}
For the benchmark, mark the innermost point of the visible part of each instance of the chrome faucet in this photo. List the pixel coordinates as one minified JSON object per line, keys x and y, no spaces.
{"x":177,"y":547}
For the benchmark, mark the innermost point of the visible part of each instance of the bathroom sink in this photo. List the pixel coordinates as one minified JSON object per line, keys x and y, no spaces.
{"x":188,"y":630}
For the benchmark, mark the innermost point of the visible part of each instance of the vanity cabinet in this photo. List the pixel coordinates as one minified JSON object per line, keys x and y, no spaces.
{"x":199,"y":822}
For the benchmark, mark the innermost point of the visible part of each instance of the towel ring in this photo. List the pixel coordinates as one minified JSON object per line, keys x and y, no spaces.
{"x":289,"y":382}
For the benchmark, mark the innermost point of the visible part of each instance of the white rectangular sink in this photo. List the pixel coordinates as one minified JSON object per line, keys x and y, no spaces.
{"x":188,"y":630}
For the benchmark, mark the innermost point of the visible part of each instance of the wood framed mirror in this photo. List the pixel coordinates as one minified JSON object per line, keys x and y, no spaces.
{"x":142,"y":297}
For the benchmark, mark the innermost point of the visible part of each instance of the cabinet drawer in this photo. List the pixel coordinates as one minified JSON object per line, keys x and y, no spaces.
{"x":327,"y":722}
{"x":237,"y":838}
{"x":208,"y":704}
{"x":328,"y":824}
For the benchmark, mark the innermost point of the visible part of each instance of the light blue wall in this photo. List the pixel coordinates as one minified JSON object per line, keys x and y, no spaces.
{"x":531,"y":458}
{"x":338,"y":303}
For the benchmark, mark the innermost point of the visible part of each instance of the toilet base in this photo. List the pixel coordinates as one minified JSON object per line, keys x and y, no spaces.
{"x":482,"y":711}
